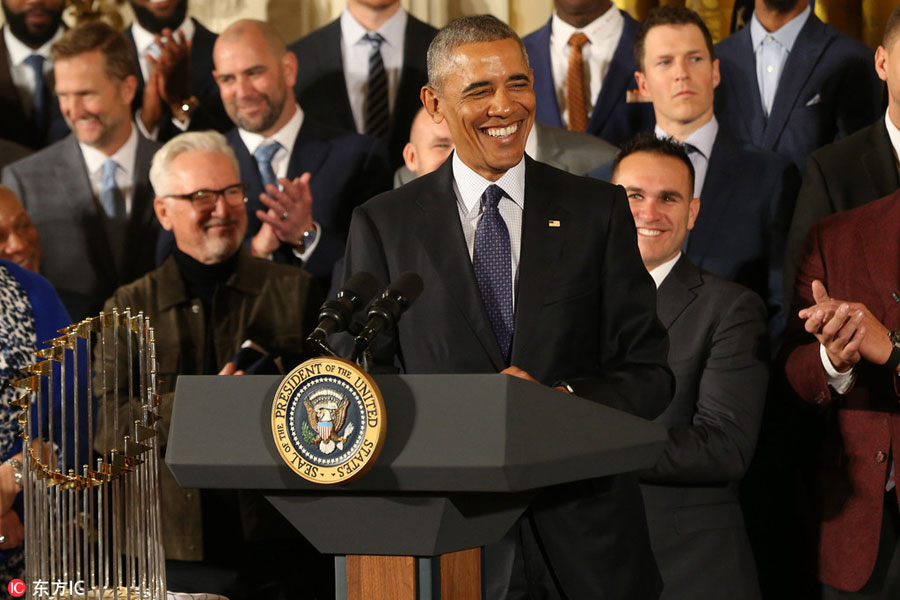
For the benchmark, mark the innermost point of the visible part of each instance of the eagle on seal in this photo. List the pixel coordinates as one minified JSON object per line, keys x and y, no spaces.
{"x":326,"y":413}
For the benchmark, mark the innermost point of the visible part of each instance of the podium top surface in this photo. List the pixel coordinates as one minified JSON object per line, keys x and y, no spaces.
{"x":445,"y":433}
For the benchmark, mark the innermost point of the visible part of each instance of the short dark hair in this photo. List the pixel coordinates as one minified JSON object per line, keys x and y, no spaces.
{"x":118,"y":55}
{"x":662,"y":146}
{"x":465,"y":30}
{"x":891,"y":29}
{"x":669,"y":15}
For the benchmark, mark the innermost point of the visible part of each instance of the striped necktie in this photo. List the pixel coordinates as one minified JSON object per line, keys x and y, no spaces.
{"x":377,"y":112}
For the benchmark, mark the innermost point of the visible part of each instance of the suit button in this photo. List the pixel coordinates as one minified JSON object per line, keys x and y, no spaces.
{"x":880,"y":457}
{"x":195,"y":308}
{"x":820,"y":398}
{"x":190,"y":496}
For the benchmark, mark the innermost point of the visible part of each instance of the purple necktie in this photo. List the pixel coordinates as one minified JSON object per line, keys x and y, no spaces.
{"x":493,"y":268}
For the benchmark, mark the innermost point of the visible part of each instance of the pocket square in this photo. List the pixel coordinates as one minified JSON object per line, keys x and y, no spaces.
{"x":814,"y":100}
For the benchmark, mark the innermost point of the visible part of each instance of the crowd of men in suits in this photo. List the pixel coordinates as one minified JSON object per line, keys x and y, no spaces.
{"x":700,"y":234}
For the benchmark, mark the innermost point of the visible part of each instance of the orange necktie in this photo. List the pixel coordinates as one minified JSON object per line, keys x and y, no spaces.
{"x":575,"y":96}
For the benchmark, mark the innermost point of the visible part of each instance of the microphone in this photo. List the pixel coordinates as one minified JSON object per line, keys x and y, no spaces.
{"x":385,"y":311}
{"x":336,"y":315}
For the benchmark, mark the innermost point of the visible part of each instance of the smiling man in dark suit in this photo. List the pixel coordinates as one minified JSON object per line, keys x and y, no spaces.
{"x":606,"y":69}
{"x":532,"y":272}
{"x":89,"y":194}
{"x":792,"y":84}
{"x":718,"y":352}
{"x":340,"y":83}
{"x":305,"y":177}
{"x":30,"y":111}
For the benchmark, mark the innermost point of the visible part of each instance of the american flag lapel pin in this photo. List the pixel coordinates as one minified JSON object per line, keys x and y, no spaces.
{"x":553,"y":223}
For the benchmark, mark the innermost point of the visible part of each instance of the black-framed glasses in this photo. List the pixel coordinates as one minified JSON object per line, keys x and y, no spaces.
{"x":202,"y":200}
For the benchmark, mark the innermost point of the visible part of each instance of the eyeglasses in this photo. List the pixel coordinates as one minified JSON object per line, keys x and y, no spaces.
{"x":203,"y":200}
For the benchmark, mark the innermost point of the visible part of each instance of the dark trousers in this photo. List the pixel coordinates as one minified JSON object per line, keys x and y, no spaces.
{"x":884,"y":584}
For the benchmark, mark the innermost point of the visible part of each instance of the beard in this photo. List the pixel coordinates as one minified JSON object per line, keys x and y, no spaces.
{"x":32,"y":36}
{"x":155,"y":24}
{"x":780,"y":6}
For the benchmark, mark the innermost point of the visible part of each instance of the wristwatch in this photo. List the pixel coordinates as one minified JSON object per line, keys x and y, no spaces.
{"x":307,"y":238}
{"x":894,"y":360}
{"x":187,"y":107}
{"x":17,"y":467}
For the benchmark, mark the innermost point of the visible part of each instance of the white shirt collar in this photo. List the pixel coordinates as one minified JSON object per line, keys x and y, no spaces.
{"x":702,"y":139}
{"x":125,"y":156}
{"x":392,"y":30}
{"x":18,"y":51}
{"x":893,"y":134}
{"x":596,"y":30}
{"x":286,"y":136}
{"x":660,"y":273}
{"x":143,"y":38}
{"x":786,"y":36}
{"x":471,"y":185}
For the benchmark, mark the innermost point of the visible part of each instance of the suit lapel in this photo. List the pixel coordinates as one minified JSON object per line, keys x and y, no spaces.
{"x":881,"y":254}
{"x":540,"y":252}
{"x":714,"y":195}
{"x":615,"y":84}
{"x":747,"y":87}
{"x":442,"y":238}
{"x":808,"y":49}
{"x":332,"y":62}
{"x":676,"y":291}
{"x":878,"y":161}
{"x":141,"y":206}
{"x":9,"y":96}
{"x":547,"y":106}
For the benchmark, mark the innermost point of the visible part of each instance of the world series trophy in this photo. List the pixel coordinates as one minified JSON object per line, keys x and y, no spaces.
{"x":92,"y":529}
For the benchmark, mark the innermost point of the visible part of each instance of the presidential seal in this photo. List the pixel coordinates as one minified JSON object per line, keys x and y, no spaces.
{"x":328,"y":420}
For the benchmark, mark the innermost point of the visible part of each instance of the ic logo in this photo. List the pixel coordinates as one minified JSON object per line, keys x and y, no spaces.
{"x":16,"y":588}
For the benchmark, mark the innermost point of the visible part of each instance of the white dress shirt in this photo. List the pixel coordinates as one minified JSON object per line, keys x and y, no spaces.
{"x":286,"y":136}
{"x":893,"y":134}
{"x":125,"y":156}
{"x":772,"y":50}
{"x":702,"y":139}
{"x":355,"y":54}
{"x":469,"y":187}
{"x":23,"y":75}
{"x":603,"y":35}
{"x":660,"y":273}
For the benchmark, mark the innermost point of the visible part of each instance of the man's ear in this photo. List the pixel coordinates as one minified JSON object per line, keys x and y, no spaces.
{"x":694,"y":210}
{"x":409,"y":157}
{"x":289,"y":69}
{"x":161,"y":208}
{"x":431,"y":100}
{"x":716,"y":76}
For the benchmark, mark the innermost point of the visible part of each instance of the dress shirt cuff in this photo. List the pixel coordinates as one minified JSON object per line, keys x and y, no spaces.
{"x":182,"y":125}
{"x":307,"y":252}
{"x":841,"y":382}
{"x":139,"y":123}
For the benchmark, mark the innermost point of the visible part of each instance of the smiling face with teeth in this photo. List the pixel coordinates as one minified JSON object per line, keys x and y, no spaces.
{"x":488,"y":102}
{"x":659,"y":189}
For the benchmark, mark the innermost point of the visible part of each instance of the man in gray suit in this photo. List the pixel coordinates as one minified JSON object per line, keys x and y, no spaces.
{"x":717,"y":350}
{"x":89,"y":194}
{"x":430,"y":144}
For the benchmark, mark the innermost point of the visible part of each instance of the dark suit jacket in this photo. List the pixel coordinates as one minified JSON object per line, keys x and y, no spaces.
{"x":321,"y":91}
{"x":347,"y":169}
{"x":612,"y":119}
{"x":853,"y":254}
{"x":10,"y":152}
{"x":211,"y":113}
{"x":585,"y":313}
{"x":718,"y":351}
{"x":745,"y":208}
{"x":838,"y":177}
{"x":14,"y":125}
{"x":78,"y":259}
{"x":828,"y":90}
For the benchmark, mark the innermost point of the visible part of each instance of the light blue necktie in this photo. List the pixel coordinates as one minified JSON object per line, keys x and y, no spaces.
{"x":493,"y":268}
{"x":263,"y":156}
{"x":36,"y":62}
{"x":111,"y":197}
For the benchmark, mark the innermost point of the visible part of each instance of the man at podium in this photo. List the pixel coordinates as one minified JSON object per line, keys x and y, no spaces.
{"x":531,"y":272}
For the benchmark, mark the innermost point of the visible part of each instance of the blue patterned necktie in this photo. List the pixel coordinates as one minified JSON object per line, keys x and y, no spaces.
{"x":493,"y":268}
{"x":263,"y":156}
{"x":110,"y":195}
{"x":377,"y":112}
{"x":36,"y":62}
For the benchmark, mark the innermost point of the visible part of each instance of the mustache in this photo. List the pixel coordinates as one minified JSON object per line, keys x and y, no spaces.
{"x":219,"y":223}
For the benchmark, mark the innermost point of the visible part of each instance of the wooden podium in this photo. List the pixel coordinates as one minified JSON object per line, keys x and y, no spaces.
{"x":463,"y":457}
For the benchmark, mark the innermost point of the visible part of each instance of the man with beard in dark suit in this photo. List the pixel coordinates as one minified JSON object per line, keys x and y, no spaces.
{"x":30,"y":113}
{"x":363,"y":71}
{"x":176,"y":89}
{"x":532,"y":272}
